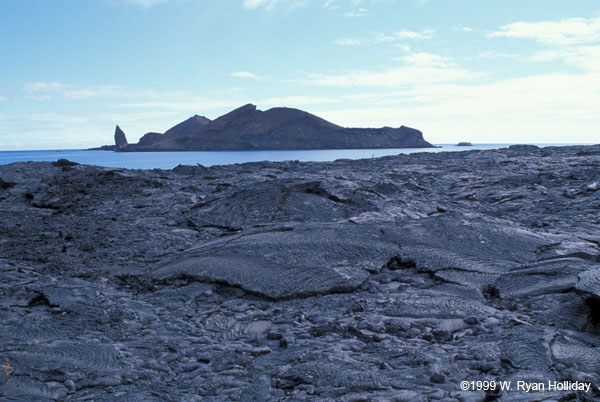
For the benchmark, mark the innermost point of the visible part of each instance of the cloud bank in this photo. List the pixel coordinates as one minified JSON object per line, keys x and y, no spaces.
{"x":555,"y":33}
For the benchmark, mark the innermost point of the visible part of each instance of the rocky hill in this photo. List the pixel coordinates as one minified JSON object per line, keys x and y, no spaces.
{"x":190,"y":125}
{"x":247,"y":128}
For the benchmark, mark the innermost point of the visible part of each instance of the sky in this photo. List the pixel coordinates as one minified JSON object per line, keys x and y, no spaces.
{"x":494,"y":71}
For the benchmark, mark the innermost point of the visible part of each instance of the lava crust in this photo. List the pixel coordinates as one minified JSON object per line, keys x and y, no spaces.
{"x":388,"y":279}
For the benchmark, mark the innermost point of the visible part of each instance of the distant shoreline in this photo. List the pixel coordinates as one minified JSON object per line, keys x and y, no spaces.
{"x":168,"y":160}
{"x":437,"y":145}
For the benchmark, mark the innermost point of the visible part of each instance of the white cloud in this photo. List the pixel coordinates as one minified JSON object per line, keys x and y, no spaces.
{"x":56,"y":130}
{"x":585,"y":57}
{"x":270,"y":5}
{"x":573,"y":41}
{"x":354,"y":8}
{"x":349,"y":41}
{"x":360,"y":12}
{"x":547,"y":108}
{"x":418,"y":68}
{"x":498,"y":55}
{"x":45,"y":130}
{"x":397,"y":36}
{"x":556,"y":33}
{"x":329,"y":4}
{"x":451,"y":103}
{"x":397,"y":77}
{"x":258,"y":3}
{"x":216,"y":105}
{"x":95,"y":110}
{"x":54,"y":90}
{"x":140,"y":3}
{"x":427,"y":59}
{"x":296,"y":101}
{"x":44,"y":86}
{"x":406,"y":34}
{"x":44,"y":90}
{"x":85,"y":126}
{"x":175,"y":106}
{"x":190,"y":104}
{"x":246,"y":74}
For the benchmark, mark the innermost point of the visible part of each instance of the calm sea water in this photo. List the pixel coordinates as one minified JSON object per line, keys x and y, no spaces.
{"x":168,"y":160}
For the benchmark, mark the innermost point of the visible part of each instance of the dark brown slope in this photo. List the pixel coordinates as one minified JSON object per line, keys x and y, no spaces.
{"x":190,"y":125}
{"x":247,"y":128}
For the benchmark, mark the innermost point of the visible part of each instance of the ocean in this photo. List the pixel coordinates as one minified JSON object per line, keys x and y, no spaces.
{"x":168,"y":160}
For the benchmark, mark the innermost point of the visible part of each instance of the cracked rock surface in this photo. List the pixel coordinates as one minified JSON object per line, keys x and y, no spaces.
{"x":389,"y":279}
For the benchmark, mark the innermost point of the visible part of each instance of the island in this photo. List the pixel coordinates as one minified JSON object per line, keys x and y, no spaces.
{"x":464,"y":144}
{"x":280,"y":128}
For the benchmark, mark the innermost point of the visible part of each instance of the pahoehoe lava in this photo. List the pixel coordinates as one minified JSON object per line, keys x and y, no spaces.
{"x":388,"y":279}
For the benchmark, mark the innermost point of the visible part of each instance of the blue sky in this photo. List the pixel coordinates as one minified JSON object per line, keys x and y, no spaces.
{"x":495,"y":71}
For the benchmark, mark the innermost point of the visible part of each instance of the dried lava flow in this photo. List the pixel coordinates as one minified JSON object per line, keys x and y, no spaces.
{"x":395,"y":277}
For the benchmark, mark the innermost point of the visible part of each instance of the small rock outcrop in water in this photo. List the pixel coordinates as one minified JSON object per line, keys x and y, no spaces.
{"x":464,"y":144}
{"x":383,"y":279}
{"x":247,"y":128}
{"x":120,"y":139}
